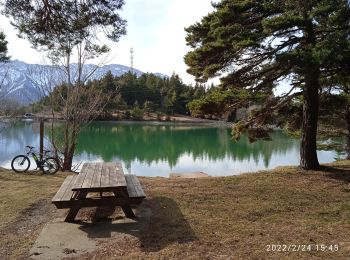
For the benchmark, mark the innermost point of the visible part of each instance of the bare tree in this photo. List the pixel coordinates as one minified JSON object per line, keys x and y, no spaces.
{"x":67,"y":31}
{"x":69,"y":101}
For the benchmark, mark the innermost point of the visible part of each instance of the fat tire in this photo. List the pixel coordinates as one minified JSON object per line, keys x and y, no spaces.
{"x":56,"y":168}
{"x":24,"y":158}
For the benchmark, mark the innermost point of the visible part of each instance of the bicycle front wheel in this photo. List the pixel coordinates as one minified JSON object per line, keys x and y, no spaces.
{"x":20,"y":163}
{"x":50,"y":165}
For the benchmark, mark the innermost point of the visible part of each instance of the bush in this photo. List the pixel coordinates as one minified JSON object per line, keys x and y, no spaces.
{"x":136,"y":113}
{"x":148,"y":106}
{"x":127,"y":114}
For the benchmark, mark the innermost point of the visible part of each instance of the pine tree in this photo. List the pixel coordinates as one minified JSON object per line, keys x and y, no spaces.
{"x":107,"y":84}
{"x":3,"y":48}
{"x":254,"y":44}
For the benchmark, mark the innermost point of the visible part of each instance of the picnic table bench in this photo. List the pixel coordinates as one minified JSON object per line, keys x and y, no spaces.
{"x":123,"y":190}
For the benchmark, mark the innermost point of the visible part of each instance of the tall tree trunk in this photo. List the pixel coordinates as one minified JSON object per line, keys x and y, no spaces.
{"x":347,"y":119}
{"x":348,"y":134}
{"x":308,"y":154}
{"x":68,"y":157}
{"x":68,"y":161}
{"x":70,"y":145}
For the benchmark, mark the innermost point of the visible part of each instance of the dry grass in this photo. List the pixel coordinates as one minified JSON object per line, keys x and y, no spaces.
{"x":24,"y":209}
{"x":221,"y":218}
{"x":19,"y":191}
{"x":237,"y":217}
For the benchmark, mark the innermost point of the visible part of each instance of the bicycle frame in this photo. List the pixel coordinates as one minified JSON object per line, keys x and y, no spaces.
{"x":38,"y":162}
{"x":34,"y":155}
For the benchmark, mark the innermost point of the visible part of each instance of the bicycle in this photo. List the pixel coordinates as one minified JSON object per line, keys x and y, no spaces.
{"x":21,"y":163}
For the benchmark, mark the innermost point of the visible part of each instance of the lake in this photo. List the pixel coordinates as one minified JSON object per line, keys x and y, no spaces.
{"x":151,"y":149}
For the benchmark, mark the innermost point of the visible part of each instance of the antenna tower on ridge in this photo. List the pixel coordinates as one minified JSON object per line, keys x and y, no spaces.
{"x":132,"y":59}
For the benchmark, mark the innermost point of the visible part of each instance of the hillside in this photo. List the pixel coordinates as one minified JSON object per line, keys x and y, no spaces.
{"x":21,"y":81}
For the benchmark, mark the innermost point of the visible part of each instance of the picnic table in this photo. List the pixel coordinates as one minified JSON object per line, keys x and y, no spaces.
{"x":114,"y":188}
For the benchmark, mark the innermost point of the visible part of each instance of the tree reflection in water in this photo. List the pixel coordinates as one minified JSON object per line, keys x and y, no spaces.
{"x":178,"y":147}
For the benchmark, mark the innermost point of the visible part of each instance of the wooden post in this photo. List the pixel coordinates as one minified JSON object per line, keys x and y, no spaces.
{"x":41,"y":139}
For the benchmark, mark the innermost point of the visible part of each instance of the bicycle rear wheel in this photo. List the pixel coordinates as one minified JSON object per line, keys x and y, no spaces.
{"x":20,"y":163}
{"x":50,"y":165}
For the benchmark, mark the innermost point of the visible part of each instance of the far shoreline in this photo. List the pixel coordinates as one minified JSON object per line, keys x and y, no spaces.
{"x":150,"y":118}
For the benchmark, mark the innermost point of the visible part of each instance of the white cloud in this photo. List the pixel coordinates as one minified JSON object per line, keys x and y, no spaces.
{"x":18,"y":48}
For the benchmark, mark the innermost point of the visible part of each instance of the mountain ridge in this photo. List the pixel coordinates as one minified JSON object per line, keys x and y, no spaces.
{"x":22,"y":82}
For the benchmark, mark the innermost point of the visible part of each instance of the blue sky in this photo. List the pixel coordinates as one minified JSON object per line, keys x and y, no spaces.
{"x":155,"y":30}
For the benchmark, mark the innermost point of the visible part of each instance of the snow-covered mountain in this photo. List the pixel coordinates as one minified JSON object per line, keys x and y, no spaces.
{"x":27,"y":83}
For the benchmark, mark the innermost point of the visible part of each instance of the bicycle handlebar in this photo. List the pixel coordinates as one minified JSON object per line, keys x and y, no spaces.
{"x":32,"y":147}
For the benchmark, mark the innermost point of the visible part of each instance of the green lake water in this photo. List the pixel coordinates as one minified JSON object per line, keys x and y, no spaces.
{"x":156,"y":150}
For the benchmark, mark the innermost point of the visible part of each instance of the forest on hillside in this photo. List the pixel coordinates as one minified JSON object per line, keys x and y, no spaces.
{"x":134,"y":95}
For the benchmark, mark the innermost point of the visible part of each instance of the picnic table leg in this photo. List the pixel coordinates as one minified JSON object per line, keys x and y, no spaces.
{"x":72,"y":213}
{"x":126,"y":208}
{"x":128,"y":212}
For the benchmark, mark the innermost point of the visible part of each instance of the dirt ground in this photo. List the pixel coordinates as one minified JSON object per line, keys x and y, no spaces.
{"x":286,"y":213}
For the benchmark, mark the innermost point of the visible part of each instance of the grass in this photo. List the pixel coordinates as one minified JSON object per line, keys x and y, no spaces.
{"x":19,"y":191}
{"x":21,"y":196}
{"x":220,"y":218}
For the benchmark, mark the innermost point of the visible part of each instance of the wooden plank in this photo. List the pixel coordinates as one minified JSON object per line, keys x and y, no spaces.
{"x":113,"y":177}
{"x":93,"y":202}
{"x":81,"y":176}
{"x":65,"y":185}
{"x":114,"y":164}
{"x":135,"y":183}
{"x":89,"y":177}
{"x":138,"y":187}
{"x":96,"y":181}
{"x":116,"y":177}
{"x":105,"y":177}
{"x":134,"y":187}
{"x":121,"y":177}
{"x":96,"y":202}
{"x":101,"y":175}
{"x":120,"y":172}
{"x":130,"y":186}
{"x":69,"y":192}
{"x":99,"y":189}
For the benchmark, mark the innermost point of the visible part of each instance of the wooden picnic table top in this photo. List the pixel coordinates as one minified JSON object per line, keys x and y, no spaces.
{"x":100,"y":177}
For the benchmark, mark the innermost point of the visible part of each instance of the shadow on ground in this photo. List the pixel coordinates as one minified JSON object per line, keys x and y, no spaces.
{"x":159,"y":223}
{"x":341,"y":174}
{"x":167,"y":225}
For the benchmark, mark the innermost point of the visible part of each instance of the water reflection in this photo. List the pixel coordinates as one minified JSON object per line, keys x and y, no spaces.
{"x":150,"y":144}
{"x":159,"y":149}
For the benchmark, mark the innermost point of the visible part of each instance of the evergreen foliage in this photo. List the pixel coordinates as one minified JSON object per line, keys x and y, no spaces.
{"x":3,"y":48}
{"x":217,"y":100}
{"x":253,"y":45}
{"x":59,"y":25}
{"x":153,"y":93}
{"x":148,"y":93}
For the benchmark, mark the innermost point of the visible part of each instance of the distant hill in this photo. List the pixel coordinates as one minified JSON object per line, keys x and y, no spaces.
{"x":20,"y":81}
